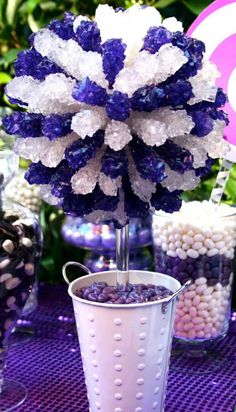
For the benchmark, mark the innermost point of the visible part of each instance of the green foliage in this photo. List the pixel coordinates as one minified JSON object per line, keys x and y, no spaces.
{"x":196,"y":6}
{"x":4,"y":77}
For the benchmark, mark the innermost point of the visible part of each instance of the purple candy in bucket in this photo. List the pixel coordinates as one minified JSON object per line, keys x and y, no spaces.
{"x":123,"y":294}
{"x":123,"y":330}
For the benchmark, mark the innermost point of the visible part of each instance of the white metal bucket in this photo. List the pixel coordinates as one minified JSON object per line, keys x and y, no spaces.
{"x":125,"y":348}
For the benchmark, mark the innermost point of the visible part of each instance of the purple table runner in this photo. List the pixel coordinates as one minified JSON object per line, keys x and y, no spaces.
{"x":50,"y":366}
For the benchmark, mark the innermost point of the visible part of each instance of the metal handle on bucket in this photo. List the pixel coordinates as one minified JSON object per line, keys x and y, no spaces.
{"x":65,"y":266}
{"x":172,"y":297}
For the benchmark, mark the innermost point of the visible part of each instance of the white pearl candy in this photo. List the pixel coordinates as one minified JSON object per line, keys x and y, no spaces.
{"x":192,"y":253}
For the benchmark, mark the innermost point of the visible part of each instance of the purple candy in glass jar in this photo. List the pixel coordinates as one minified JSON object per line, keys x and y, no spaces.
{"x":80,"y":233}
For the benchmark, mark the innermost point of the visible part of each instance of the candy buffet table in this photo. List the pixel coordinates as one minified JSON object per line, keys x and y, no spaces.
{"x":50,"y":366}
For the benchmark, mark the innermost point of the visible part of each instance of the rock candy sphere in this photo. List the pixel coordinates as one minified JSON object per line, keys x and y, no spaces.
{"x":122,"y":113}
{"x":198,"y":243}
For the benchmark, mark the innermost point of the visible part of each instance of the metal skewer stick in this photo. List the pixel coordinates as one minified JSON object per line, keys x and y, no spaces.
{"x":122,"y":255}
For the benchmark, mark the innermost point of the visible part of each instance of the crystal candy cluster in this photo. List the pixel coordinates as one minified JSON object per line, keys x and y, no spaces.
{"x":122,"y":113}
{"x":198,"y":243}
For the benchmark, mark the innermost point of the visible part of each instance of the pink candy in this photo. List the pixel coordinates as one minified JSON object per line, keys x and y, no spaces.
{"x":202,"y":311}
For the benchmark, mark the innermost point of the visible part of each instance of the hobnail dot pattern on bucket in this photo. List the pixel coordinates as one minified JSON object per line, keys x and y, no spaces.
{"x":198,"y":244}
{"x":148,"y":363}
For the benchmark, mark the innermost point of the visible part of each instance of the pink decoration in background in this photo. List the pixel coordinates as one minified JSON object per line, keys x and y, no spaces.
{"x":216,"y":27}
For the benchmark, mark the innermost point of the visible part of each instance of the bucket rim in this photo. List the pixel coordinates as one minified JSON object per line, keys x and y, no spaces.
{"x":123,"y":305}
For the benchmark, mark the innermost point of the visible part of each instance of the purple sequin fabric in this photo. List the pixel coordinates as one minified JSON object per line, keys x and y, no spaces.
{"x":53,"y":358}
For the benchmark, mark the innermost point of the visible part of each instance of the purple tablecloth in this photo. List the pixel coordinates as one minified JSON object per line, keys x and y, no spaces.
{"x":50,"y":366}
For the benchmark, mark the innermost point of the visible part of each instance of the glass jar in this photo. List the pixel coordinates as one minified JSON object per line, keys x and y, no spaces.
{"x":139,"y":259}
{"x":198,"y":243}
{"x":80,"y":233}
{"x":20,"y":191}
{"x":20,"y":250}
{"x":99,"y":240}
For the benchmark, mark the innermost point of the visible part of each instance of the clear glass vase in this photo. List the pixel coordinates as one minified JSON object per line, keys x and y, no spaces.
{"x":20,"y":249}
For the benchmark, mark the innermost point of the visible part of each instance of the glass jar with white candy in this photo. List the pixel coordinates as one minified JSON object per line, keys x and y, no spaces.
{"x":198,"y":243}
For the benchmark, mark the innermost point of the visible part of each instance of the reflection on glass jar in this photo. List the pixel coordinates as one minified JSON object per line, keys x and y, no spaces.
{"x":80,"y":233}
{"x":139,"y":259}
{"x":198,"y":243}
{"x":100,"y":242}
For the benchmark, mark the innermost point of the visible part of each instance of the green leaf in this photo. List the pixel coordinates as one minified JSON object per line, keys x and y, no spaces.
{"x":4,"y":78}
{"x":2,"y":10}
{"x":161,"y":4}
{"x":48,"y":6}
{"x":128,"y":3}
{"x":9,"y":57}
{"x":48,"y":263}
{"x":230,"y":189}
{"x":7,"y":103}
{"x":24,"y":164}
{"x":42,"y":218}
{"x":31,"y":5}
{"x":197,"y":6}
{"x":233,"y":172}
{"x":11,"y":10}
{"x":33,"y":24}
